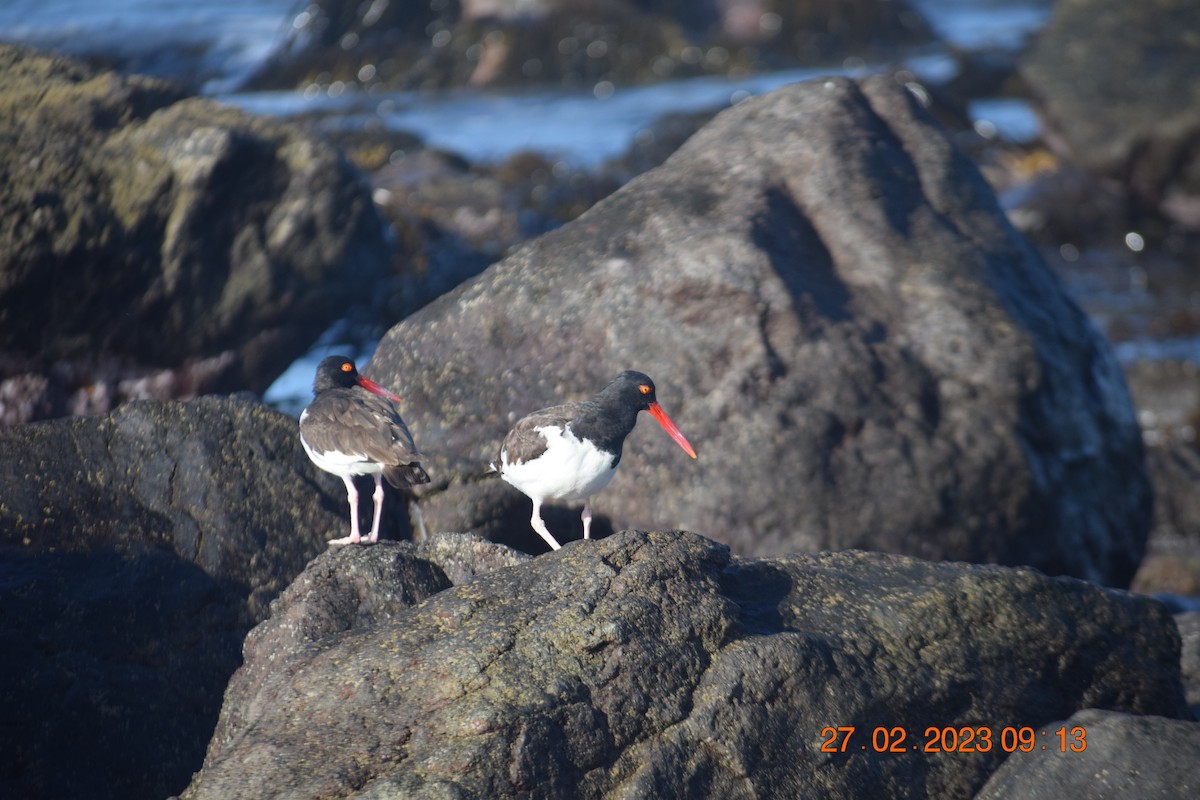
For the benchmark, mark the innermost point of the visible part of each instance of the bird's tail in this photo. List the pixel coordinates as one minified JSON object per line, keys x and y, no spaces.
{"x":404,"y":475}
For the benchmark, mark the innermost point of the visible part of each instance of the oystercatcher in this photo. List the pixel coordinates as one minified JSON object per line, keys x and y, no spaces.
{"x":351,"y":428}
{"x":570,"y":452}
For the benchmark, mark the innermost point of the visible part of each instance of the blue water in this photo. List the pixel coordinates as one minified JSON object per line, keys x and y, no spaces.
{"x":220,"y":42}
{"x":985,"y":24}
{"x":575,"y":127}
{"x":224,"y":39}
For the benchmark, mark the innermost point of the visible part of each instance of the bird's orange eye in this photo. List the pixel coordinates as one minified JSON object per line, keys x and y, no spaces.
{"x":644,"y":389}
{"x":347,"y":366}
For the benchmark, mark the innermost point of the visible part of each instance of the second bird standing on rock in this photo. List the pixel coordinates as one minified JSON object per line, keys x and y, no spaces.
{"x":351,"y":428}
{"x":571,"y":451}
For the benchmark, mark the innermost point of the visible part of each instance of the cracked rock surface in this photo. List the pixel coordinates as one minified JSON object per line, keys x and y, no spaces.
{"x":658,"y":665}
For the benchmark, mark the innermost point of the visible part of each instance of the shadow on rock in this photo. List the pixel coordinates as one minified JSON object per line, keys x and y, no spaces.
{"x":136,"y":551}
{"x":114,"y":668}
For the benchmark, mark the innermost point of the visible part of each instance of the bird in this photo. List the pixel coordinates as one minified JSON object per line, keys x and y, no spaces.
{"x":351,"y":428}
{"x":571,"y":451}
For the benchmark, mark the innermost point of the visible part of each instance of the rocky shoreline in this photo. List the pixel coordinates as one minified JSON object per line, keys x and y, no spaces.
{"x":925,"y":482}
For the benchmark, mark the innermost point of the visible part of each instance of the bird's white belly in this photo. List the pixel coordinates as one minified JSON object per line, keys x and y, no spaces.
{"x":570,"y":469}
{"x":342,"y":464}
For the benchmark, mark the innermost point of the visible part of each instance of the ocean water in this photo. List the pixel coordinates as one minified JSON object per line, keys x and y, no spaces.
{"x":222,"y":41}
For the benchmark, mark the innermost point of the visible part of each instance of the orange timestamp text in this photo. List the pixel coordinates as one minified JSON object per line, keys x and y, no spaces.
{"x":946,"y":739}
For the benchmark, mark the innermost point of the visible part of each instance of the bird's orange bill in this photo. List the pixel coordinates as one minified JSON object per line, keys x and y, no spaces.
{"x":668,"y":426}
{"x":372,"y":386}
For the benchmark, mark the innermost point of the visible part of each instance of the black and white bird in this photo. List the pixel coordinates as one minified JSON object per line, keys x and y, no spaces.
{"x":352,"y":428}
{"x":570,"y":452}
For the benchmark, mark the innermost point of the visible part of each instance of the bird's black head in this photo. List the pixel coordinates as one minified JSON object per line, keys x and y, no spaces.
{"x":334,"y":372}
{"x":634,"y":391}
{"x":339,"y":372}
{"x":632,"y":388}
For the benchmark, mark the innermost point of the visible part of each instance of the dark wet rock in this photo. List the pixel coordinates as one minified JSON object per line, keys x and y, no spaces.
{"x":137,"y":549}
{"x":1121,"y":755}
{"x":453,"y":219}
{"x":114,"y":666}
{"x":1053,"y":203}
{"x":421,"y":44}
{"x":216,"y":480}
{"x":657,"y":665}
{"x":348,"y":589}
{"x":1114,"y":86}
{"x":837,"y":315}
{"x":159,"y":245}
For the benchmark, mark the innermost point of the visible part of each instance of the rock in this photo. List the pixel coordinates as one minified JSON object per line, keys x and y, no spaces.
{"x":1055,"y":203}
{"x":222,"y":482}
{"x":1120,"y":755}
{"x":137,"y":550}
{"x":1172,"y":560}
{"x":1164,"y":394}
{"x":1113,"y":87}
{"x":1165,"y":391}
{"x":147,"y":233}
{"x":346,"y":589}
{"x":417,"y":44}
{"x":114,"y":666}
{"x":456,"y":219}
{"x":840,"y":319}
{"x":1189,"y":633}
{"x":657,"y":665}
{"x":462,"y":556}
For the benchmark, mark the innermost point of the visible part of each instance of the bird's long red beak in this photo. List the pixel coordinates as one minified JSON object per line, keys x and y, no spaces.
{"x":668,"y":426}
{"x":372,"y":386}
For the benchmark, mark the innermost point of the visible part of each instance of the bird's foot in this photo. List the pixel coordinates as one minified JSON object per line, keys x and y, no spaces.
{"x":353,"y":538}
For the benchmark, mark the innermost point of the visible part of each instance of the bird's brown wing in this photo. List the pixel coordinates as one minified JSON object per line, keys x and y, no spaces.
{"x":362,"y":424}
{"x":524,"y":443}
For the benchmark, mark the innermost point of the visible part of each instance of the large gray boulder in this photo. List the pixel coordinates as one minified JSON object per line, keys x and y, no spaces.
{"x":1114,"y":86}
{"x":137,"y":550}
{"x":658,"y":665}
{"x":146,"y":233}
{"x":841,"y":319}
{"x":1108,"y":755}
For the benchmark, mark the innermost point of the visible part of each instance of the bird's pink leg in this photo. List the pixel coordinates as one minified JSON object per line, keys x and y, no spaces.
{"x":540,"y":526}
{"x":352,"y":496}
{"x":587,"y":518}
{"x":378,"y":498}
